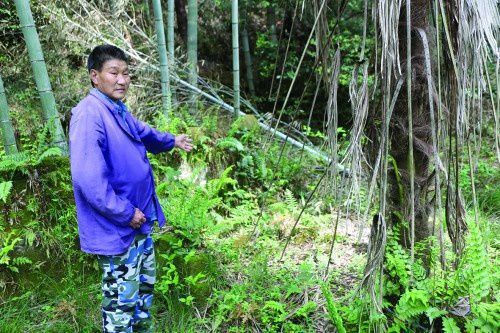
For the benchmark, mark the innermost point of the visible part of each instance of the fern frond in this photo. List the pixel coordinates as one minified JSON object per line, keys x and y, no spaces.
{"x":291,"y":201}
{"x":473,"y":273}
{"x":412,"y":303}
{"x":51,"y":152}
{"x":488,"y":316}
{"x":231,"y":143}
{"x":449,"y":326}
{"x":332,"y":309}
{"x":5,"y":188}
{"x":14,"y":161}
{"x":398,"y":263}
{"x":215,"y":185}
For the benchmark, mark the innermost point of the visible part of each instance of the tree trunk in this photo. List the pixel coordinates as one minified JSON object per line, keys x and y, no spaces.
{"x":182,"y":21}
{"x":236,"y":56}
{"x":192,"y":50}
{"x":50,"y":114}
{"x":162,"y":51}
{"x":9,"y":140}
{"x":400,"y":196}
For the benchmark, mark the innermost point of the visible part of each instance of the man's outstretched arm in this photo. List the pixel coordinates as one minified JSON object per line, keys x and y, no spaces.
{"x":157,"y":142}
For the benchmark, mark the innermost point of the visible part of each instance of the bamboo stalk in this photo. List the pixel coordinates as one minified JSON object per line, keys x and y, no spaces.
{"x":162,"y":51}
{"x":171,"y":43}
{"x":192,"y":50}
{"x":246,"y":52}
{"x":50,"y":114}
{"x":313,"y":151}
{"x":170,"y":27}
{"x":236,"y":56}
{"x":248,"y":61}
{"x":9,"y":140}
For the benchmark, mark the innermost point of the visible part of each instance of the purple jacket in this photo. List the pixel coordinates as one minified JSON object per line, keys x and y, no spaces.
{"x":111,"y":173}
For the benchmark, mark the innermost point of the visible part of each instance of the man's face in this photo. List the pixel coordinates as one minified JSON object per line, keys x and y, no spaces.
{"x":113,"y":79}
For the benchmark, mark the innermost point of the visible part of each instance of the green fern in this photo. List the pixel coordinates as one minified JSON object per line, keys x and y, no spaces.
{"x":450,"y":326}
{"x":21,"y":261}
{"x":5,"y":188}
{"x":231,"y":144}
{"x":6,"y":247}
{"x":412,"y":303}
{"x":398,"y":265}
{"x":214,"y":186}
{"x":51,"y":152}
{"x":13,"y":162}
{"x":331,"y":307}
{"x":487,"y":317}
{"x":291,"y":201}
{"x":473,"y":274}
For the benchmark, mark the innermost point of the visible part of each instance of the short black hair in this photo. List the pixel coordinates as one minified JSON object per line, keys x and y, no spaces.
{"x":102,"y":53}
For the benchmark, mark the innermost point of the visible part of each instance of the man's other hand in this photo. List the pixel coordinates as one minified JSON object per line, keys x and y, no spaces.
{"x":138,"y":219}
{"x":183,"y":142}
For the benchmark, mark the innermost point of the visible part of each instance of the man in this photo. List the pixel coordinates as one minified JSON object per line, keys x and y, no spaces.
{"x":114,"y":190}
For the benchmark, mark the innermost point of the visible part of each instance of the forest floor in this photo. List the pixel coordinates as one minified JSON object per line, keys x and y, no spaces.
{"x":237,"y":279}
{"x":256,"y":273}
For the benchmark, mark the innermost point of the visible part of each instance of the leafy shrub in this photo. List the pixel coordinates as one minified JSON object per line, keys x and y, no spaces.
{"x":487,"y":178}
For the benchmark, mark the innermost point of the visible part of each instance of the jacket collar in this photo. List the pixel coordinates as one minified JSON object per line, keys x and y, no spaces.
{"x":114,"y":107}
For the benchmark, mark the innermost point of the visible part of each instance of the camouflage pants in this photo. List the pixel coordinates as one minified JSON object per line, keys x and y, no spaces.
{"x":127,"y":287}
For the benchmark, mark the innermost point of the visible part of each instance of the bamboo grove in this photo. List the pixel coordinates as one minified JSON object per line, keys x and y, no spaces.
{"x":418,"y":98}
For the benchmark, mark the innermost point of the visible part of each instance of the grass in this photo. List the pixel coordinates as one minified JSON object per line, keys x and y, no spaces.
{"x":64,"y":307}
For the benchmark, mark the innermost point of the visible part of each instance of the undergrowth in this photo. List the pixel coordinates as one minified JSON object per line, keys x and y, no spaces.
{"x":446,"y":299}
{"x":229,"y":206}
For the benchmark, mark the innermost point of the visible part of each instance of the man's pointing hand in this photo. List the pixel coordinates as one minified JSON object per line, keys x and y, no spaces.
{"x":183,"y":142}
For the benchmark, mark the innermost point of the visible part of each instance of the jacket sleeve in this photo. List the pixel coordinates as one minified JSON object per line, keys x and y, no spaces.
{"x":89,"y":170}
{"x":154,"y":140}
